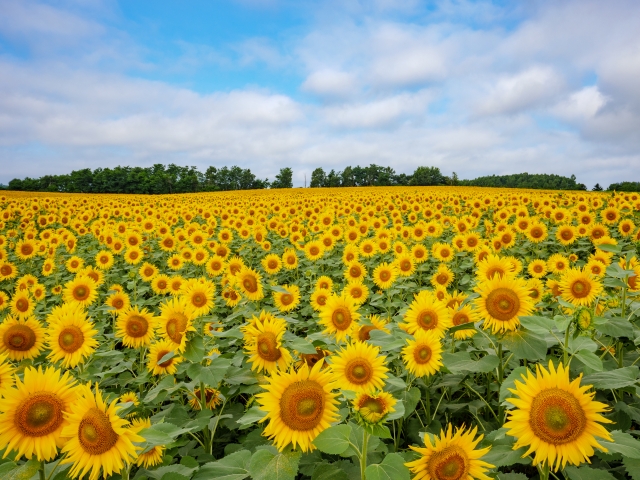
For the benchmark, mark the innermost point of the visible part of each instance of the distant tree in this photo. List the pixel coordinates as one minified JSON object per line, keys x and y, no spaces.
{"x":348,"y":179}
{"x":333,"y":179}
{"x":619,"y":187}
{"x":284,"y":179}
{"x":318,"y":178}
{"x":426,"y":176}
{"x":597,"y":188}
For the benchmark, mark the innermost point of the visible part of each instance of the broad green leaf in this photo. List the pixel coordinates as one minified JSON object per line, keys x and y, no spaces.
{"x":232,"y":467}
{"x":167,"y":356}
{"x":632,"y":466}
{"x":391,"y":468}
{"x":253,"y":415}
{"x":623,"y":443}
{"x":462,"y":326}
{"x":461,"y":362}
{"x":587,"y":473}
{"x":21,"y":472}
{"x":610,"y":248}
{"x":333,"y":440}
{"x":619,"y":378}
{"x":590,"y":359}
{"x":328,"y":471}
{"x":241,"y":376}
{"x":505,"y":455}
{"x":267,"y":465}
{"x":162,"y":472}
{"x":162,"y":433}
{"x":299,"y":344}
{"x":512,"y":476}
{"x":538,"y":324}
{"x":195,"y":350}
{"x":410,"y":398}
{"x":510,"y":382}
{"x":525,"y":344}
{"x":614,"y":327}
{"x":386,"y":341}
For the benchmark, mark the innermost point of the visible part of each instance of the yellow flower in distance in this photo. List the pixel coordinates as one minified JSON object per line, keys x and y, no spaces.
{"x":21,"y":338}
{"x":579,"y":287}
{"x":502,"y":301}
{"x":71,"y":337}
{"x":359,"y":367}
{"x":338,"y":316}
{"x":423,"y":355}
{"x":136,"y":327}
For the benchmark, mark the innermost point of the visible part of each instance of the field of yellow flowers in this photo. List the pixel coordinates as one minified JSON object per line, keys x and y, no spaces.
{"x":370,"y":333}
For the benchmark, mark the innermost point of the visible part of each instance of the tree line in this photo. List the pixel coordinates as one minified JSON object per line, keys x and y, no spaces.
{"x":161,"y":179}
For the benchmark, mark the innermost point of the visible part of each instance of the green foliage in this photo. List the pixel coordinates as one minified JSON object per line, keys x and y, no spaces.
{"x":525,"y":180}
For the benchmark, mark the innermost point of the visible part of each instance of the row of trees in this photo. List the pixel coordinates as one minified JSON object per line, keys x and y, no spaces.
{"x":158,"y":179}
{"x":161,"y":179}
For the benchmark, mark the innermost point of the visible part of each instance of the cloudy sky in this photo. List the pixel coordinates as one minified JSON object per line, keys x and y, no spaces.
{"x":472,"y":87}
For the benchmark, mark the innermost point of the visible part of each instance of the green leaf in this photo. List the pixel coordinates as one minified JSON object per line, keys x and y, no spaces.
{"x":460,"y":362}
{"x":162,"y":433}
{"x":299,"y":344}
{"x":410,"y":398}
{"x":253,"y":415}
{"x":623,"y":443}
{"x":524,"y":344}
{"x":612,"y":379}
{"x":391,"y":468}
{"x":334,"y":440}
{"x":232,"y":467}
{"x":162,"y":472}
{"x":462,"y":326}
{"x":614,"y":327}
{"x":22,"y":472}
{"x":210,"y":375}
{"x":167,"y":356}
{"x":510,"y":382}
{"x":587,"y":473}
{"x":328,"y":471}
{"x":195,"y":350}
{"x":632,"y":466}
{"x":512,"y":476}
{"x":610,"y":248}
{"x":505,"y":455}
{"x":241,"y":376}
{"x":590,"y":359}
{"x":266,"y":465}
{"x":387,"y":341}
{"x":538,"y":324}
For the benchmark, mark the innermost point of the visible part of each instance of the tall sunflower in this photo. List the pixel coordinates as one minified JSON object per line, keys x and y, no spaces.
{"x":199,"y":296}
{"x":6,"y":373}
{"x":299,"y":405}
{"x":373,"y":408}
{"x":157,"y":351}
{"x":427,"y":313}
{"x":556,"y":418}
{"x":249,"y":282}
{"x":423,"y":355}
{"x":384,"y":275}
{"x":80,"y":290}
{"x":97,"y":438}
{"x":451,"y":456}
{"x":442,"y":277}
{"x":174,"y":322}
{"x":461,"y":316}
{"x":359,"y":367}
{"x":579,"y":287}
{"x":263,"y":345}
{"x":21,"y":338}
{"x":32,"y":413}
{"x":71,"y":337}
{"x":136,"y":327}
{"x":22,"y":304}
{"x":502,"y":301}
{"x":338,"y":316}
{"x":286,"y":302}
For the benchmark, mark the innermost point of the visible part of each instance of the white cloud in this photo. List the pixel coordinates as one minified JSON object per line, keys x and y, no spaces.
{"x":330,"y":83}
{"x":580,"y":105}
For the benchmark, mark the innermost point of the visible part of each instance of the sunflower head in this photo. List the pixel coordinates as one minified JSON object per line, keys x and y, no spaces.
{"x":373,"y":408}
{"x":359,"y":367}
{"x":339,"y":316}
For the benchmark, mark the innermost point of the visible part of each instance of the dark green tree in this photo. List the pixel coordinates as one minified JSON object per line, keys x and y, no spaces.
{"x":318,"y":178}
{"x":427,"y":176}
{"x":284,"y":179}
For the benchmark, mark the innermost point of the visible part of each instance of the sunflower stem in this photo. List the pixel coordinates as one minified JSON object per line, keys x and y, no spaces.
{"x":41,"y":471}
{"x":544,"y":471}
{"x":565,"y":347}
{"x":500,"y":379}
{"x":363,"y":454}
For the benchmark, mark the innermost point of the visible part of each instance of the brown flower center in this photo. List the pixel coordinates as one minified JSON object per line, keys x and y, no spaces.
{"x":358,"y":371}
{"x":137,"y":326}
{"x":556,"y":416}
{"x":70,"y":339}
{"x":95,"y":433}
{"x":302,"y":405}
{"x":502,"y":304}
{"x":39,"y":414}
{"x":19,"y":338}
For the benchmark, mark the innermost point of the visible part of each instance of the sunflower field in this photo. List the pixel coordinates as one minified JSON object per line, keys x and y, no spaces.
{"x":435,"y":333}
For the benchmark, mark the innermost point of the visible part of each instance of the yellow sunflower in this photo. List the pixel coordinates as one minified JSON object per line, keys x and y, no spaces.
{"x":451,"y":456}
{"x":423,"y":355}
{"x":324,"y":282}
{"x":384,"y":275}
{"x":405,"y":265}
{"x":157,"y":351}
{"x":502,"y":300}
{"x":314,"y":250}
{"x":199,"y":296}
{"x":299,"y":405}
{"x":160,"y":284}
{"x":6,"y":373}
{"x":174,"y":322}
{"x":338,"y":316}
{"x":537,"y":268}
{"x":22,"y":304}
{"x":359,"y":367}
{"x":212,"y":398}
{"x":286,"y":302}
{"x":579,"y":287}
{"x":263,"y":345}
{"x":136,"y":327}
{"x":373,"y":408}
{"x":21,"y":338}
{"x":427,"y":313}
{"x":318,"y":298}
{"x":153,"y":456}
{"x":290,"y":259}
{"x":272,"y":264}
{"x":97,"y":438}
{"x":556,"y":418}
{"x":460,"y":316}
{"x":81,"y":290}
{"x":374,"y":323}
{"x":71,"y":337}
{"x":493,"y":265}
{"x":249,"y":282}
{"x":104,"y":259}
{"x":32,"y":413}
{"x":355,"y":271}
{"x":442,"y":277}
{"x":356,"y":290}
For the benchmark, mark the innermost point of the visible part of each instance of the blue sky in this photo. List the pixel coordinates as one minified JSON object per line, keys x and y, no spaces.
{"x":477,"y":88}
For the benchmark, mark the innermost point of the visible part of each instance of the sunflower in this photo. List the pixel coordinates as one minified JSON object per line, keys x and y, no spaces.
{"x":160,"y":284}
{"x":147,"y":271}
{"x":355,"y":271}
{"x":4,"y":301}
{"x":32,"y":413}
{"x":357,"y":291}
{"x":288,"y":300}
{"x":212,"y":399}
{"x":175,"y":262}
{"x":405,"y":265}
{"x":451,"y":456}
{"x":595,"y":268}
{"x":97,"y":438}
{"x":502,"y":300}
{"x":215,"y":266}
{"x":537,"y":232}
{"x":290,"y":259}
{"x":174,"y":322}
{"x":373,"y":408}
{"x":133,"y":255}
{"x":626,"y":227}
{"x":442,"y":251}
{"x":74,"y":264}
{"x":350,"y":254}
{"x":153,"y":456}
{"x":104,"y":259}
{"x":374,"y":322}
{"x":537,"y":268}
{"x":21,"y":338}
{"x":556,"y":418}
{"x":427,"y":313}
{"x":338,"y":316}
{"x":318,"y":298}
{"x":384,"y":275}
{"x":566,"y":234}
{"x":136,"y":327}
{"x":299,"y":405}
{"x":314,"y":250}
{"x":22,"y":304}
{"x":71,"y":337}
{"x":129,"y":397}
{"x":579,"y":287}
{"x":324,"y":282}
{"x":494,"y":265}
{"x":272,"y":264}
{"x":248,"y":280}
{"x":48,"y":267}
{"x":442,"y":277}
{"x":199,"y":296}
{"x":7,"y":270}
{"x":536,"y":289}
{"x":462,"y":316}
{"x":119,"y":301}
{"x":156,"y":353}
{"x":423,"y":355}
{"x":359,"y":367}
{"x":26,"y":249}
{"x":81,"y":290}
{"x":263,"y":345}
{"x":557,"y":263}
